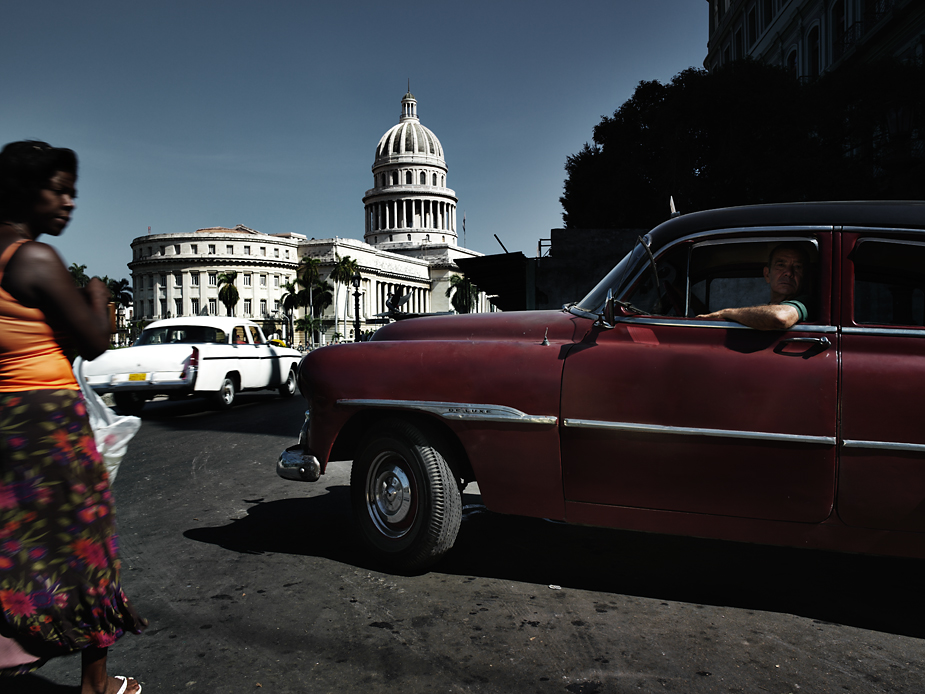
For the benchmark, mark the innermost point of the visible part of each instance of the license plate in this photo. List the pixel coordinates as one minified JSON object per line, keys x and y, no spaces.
{"x":137,"y":377}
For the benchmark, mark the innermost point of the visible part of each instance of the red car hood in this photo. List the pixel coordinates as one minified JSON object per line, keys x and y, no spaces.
{"x":528,"y":326}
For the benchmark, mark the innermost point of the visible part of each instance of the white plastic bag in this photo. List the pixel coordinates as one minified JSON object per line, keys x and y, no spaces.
{"x":111,"y":431}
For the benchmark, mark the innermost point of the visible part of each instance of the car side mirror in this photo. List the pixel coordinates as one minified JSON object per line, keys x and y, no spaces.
{"x":608,"y":314}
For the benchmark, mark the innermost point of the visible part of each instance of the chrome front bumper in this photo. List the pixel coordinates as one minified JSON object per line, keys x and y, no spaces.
{"x":295,"y":464}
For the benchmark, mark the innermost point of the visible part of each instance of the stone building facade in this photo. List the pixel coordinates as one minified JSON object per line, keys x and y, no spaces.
{"x":810,"y":37}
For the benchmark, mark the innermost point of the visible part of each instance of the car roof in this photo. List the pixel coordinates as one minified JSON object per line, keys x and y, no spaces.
{"x":880,"y":214}
{"x":221,"y":323}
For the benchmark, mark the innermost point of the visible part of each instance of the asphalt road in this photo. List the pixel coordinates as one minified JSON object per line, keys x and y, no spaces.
{"x":255,"y":584}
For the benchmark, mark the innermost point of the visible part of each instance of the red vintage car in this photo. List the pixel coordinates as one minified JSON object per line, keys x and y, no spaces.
{"x":630,"y":410}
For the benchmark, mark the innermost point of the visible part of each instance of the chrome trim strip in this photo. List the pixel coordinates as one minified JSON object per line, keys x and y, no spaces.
{"x":691,"y":323}
{"x":900,"y":332}
{"x":457,"y":410}
{"x":694,"y":431}
{"x":884,"y":445}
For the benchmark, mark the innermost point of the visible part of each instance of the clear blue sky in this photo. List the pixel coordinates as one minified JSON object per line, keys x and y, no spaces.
{"x":195,"y":113}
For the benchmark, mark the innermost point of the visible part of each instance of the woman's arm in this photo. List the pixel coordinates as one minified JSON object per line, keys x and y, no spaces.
{"x":37,"y":278}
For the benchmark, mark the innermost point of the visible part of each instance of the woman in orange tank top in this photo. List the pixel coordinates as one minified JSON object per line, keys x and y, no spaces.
{"x":58,"y":594}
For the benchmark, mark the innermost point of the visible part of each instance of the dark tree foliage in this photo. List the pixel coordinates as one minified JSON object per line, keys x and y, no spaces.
{"x":749,"y":133}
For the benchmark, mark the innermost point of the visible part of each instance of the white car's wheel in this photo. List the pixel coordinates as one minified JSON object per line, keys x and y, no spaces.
{"x":225,"y":396}
{"x":288,"y":388}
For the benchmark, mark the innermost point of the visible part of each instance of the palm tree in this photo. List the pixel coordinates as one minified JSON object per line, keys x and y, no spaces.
{"x":78,"y":272}
{"x":307,"y":275}
{"x":227,"y":292}
{"x":465,"y":295}
{"x":121,"y":291}
{"x":290,"y":301}
{"x":344,"y":269}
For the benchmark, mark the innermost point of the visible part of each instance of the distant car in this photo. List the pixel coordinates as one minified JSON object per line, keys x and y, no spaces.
{"x":625,"y":410}
{"x":214,"y":357}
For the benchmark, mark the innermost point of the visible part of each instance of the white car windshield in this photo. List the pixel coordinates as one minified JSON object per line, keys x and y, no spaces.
{"x":188,"y":334}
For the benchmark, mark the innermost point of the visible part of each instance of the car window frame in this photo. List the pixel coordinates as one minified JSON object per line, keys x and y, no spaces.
{"x":874,"y":234}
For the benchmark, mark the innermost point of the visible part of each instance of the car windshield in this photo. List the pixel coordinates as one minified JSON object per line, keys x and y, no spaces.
{"x":615,"y":280}
{"x":189,"y":334}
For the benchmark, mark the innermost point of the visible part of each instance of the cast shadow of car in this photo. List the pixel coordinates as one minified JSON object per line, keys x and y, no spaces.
{"x":878,"y":593}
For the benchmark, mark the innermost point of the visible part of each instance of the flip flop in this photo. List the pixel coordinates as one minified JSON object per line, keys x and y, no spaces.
{"x":125,"y":685}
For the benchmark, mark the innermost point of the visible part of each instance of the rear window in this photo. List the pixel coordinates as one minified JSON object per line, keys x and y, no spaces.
{"x":889,"y":283}
{"x":186,"y":334}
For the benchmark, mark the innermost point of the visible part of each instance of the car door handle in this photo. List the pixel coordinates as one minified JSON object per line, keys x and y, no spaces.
{"x":820,"y":341}
{"x":814,"y":345}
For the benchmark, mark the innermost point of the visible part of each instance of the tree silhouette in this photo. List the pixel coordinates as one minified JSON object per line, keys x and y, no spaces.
{"x":78,"y":272}
{"x":750,"y":133}
{"x":463,"y":295}
{"x":228,"y":292}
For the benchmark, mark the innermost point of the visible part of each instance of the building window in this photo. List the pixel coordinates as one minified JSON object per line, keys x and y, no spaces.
{"x":177,"y":279}
{"x":276,"y":304}
{"x":812,"y":46}
{"x":423,"y":178}
{"x":247,"y":307}
{"x":163,"y":250}
{"x":178,"y":305}
{"x":276,"y":253}
{"x":163,"y":308}
{"x":194,"y":306}
{"x":390,"y":237}
{"x":276,"y":281}
{"x":213,"y":279}
{"x":263,"y":280}
{"x":176,"y":249}
{"x":409,"y":237}
{"x":435,"y":179}
{"x":150,"y":307}
{"x":229,"y":249}
{"x":263,"y":251}
{"x":194,"y":279}
{"x":193,"y":248}
{"x":247,"y":281}
{"x":427,"y":237}
{"x":247,"y":250}
{"x":408,"y":177}
{"x":394,"y":178}
{"x":263,"y":307}
{"x":163,"y":279}
{"x":211,"y":249}
{"x":213,"y":307}
{"x":287,"y":254}
{"x":150,"y":252}
{"x":443,"y":180}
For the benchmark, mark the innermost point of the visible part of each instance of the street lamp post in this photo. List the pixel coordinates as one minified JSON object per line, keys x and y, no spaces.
{"x":355,"y":281}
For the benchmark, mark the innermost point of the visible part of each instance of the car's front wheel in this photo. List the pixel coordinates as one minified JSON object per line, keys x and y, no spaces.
{"x":406,"y":501}
{"x":288,"y":387}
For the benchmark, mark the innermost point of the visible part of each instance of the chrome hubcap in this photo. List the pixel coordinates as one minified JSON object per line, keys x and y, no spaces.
{"x":389,"y":497}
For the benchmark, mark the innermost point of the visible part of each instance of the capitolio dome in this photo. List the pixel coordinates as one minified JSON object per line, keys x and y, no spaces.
{"x":408,"y":138}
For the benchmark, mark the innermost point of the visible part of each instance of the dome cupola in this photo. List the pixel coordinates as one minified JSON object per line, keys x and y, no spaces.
{"x":409,"y":202}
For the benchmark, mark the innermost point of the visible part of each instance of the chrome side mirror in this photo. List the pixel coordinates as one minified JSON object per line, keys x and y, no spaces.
{"x":607,"y":318}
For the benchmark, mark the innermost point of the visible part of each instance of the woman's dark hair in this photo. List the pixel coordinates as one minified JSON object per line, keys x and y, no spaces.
{"x":25,"y":168}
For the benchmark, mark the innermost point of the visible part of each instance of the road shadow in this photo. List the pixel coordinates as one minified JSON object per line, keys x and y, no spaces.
{"x":277,"y":416}
{"x":877,"y":593}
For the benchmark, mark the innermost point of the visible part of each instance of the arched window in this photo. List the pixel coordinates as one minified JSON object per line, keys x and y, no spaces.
{"x":394,"y":178}
{"x":813,"y":52}
{"x":792,"y":63}
{"x":427,"y":237}
{"x":408,"y":177}
{"x":443,"y":180}
{"x":435,"y":179}
{"x":409,"y":237}
{"x":423,"y":178}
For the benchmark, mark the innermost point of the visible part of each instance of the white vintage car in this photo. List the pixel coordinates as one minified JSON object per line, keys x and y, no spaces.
{"x":207,"y":356}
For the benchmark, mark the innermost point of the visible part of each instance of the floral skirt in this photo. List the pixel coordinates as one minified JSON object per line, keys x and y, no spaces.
{"x":60,"y":589}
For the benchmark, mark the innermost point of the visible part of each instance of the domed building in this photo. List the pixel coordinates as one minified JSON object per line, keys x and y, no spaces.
{"x":409,"y":249}
{"x":409,"y":201}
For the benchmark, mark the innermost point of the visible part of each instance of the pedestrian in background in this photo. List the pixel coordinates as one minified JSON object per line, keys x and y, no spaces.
{"x":60,"y":587}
